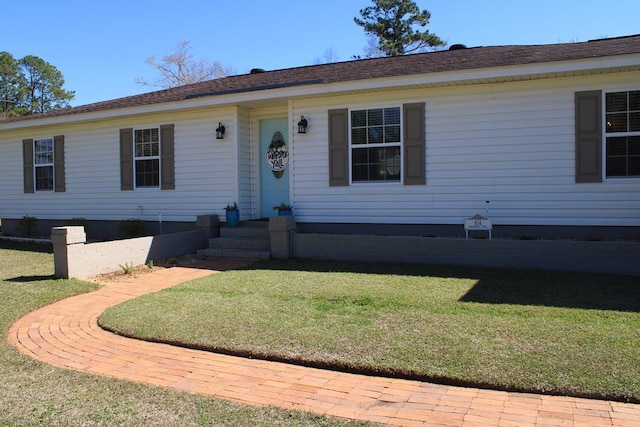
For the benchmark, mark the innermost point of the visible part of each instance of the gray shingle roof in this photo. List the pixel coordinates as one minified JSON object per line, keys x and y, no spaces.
{"x":440,"y":61}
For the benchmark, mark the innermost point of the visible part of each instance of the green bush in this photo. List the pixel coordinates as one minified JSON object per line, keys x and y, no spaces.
{"x":128,"y":228}
{"x":28,"y":224}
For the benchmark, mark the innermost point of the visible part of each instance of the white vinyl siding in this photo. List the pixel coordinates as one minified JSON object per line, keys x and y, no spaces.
{"x":203,"y":173}
{"x":512,"y":145}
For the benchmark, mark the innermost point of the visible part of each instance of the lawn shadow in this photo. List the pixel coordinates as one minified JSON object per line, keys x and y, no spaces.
{"x":501,"y":286}
{"x":28,"y":279}
{"x":596,"y":292}
{"x":27,"y":247}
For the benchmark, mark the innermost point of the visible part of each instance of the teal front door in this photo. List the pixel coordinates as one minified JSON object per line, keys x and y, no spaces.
{"x":274,"y":164}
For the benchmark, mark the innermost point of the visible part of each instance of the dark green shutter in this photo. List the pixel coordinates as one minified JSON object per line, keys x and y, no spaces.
{"x":58,"y":163}
{"x":589,"y":136}
{"x":339,"y":147}
{"x":167,"y":158}
{"x":27,"y":160}
{"x":414,"y":144}
{"x":126,"y":159}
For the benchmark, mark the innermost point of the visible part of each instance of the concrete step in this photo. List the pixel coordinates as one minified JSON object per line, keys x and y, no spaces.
{"x":246,"y":230}
{"x":239,"y":243}
{"x":230,"y":253}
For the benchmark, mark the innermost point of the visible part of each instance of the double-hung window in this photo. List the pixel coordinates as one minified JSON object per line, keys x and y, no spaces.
{"x":622,"y":124}
{"x":147,"y":157}
{"x":43,"y":164}
{"x":376,"y":145}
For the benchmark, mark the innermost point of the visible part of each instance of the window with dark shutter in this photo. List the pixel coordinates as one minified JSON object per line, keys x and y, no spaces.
{"x":385,"y":144}
{"x":147,"y":158}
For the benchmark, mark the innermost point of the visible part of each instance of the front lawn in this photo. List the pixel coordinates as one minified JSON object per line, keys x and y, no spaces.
{"x":35,"y":394}
{"x":576,"y":334}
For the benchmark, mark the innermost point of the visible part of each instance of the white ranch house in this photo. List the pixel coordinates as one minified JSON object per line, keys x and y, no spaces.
{"x":549,"y":135}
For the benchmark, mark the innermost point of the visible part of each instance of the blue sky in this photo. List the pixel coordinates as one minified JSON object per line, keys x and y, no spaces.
{"x":101,"y":47}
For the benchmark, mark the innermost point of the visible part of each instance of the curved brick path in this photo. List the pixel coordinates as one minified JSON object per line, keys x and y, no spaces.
{"x":66,"y":334}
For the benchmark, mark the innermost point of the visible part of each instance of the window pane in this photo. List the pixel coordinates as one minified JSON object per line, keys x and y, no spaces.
{"x":616,"y":101}
{"x":617,"y":122}
{"x":360,"y":164}
{"x":634,"y":166}
{"x":360,"y":173}
{"x":392,"y":134}
{"x":359,"y":136}
{"x":634,"y":122}
{"x":375,"y":117}
{"x":392,"y":116}
{"x":616,"y":166}
{"x":376,"y":164}
{"x":634,"y":100}
{"x":360,"y":156}
{"x":147,"y":173}
{"x":44,"y":178}
{"x":43,"y":151}
{"x":391,"y":163}
{"x":375,"y":135}
{"x":147,"y":142}
{"x":633,"y":145}
{"x":617,"y":146}
{"x":359,"y":118}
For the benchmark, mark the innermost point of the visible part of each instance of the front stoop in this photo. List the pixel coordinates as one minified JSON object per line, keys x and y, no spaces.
{"x":249,"y":241}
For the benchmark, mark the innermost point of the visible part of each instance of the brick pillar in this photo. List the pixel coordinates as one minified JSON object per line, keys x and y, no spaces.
{"x":67,"y":248}
{"x":280,"y":230}
{"x":210,"y":224}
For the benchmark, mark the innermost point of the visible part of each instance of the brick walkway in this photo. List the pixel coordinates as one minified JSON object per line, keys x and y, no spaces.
{"x":66,"y":334}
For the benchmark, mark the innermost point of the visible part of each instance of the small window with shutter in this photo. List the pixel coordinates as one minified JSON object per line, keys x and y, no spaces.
{"x":147,"y":158}
{"x":43,"y":160}
{"x":383,"y":144}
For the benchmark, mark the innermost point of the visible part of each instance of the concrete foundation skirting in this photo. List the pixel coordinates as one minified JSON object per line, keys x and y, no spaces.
{"x":597,"y":257}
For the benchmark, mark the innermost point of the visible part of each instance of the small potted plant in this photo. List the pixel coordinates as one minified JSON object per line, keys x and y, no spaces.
{"x":232,"y":214}
{"x":284,"y":209}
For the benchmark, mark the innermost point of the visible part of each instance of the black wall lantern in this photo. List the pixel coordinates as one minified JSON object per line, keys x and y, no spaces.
{"x":302,"y":125}
{"x":220,"y":131}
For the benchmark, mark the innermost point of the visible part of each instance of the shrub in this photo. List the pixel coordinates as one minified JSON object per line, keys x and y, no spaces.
{"x":128,"y":228}
{"x":28,"y":224}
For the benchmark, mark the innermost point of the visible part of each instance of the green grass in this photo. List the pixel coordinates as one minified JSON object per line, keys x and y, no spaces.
{"x":36,"y":394}
{"x":575,"y":334}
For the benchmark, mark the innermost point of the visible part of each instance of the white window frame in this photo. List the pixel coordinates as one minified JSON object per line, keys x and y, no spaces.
{"x":399,"y":144}
{"x":137,"y":158}
{"x":606,"y":135}
{"x":37,"y":165}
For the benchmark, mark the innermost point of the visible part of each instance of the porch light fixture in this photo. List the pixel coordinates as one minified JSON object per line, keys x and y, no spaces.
{"x":302,"y":125}
{"x":220,"y":131}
